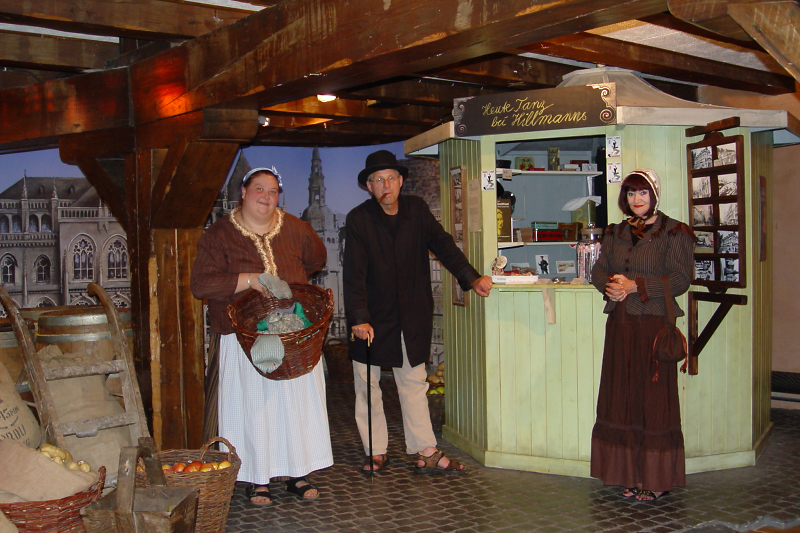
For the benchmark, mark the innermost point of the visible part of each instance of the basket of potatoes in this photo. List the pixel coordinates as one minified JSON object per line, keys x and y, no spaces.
{"x":46,"y":489}
{"x":63,"y":458}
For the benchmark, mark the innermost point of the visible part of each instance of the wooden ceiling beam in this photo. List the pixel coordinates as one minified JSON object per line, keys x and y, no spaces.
{"x":279,"y":122}
{"x":508,"y":72}
{"x":774,"y":25}
{"x":11,"y":77}
{"x":356,"y":110}
{"x":670,"y":21}
{"x":47,"y":52}
{"x":188,"y":171}
{"x":284,"y":51}
{"x":329,"y":139}
{"x":414,"y":92}
{"x":86,"y":150}
{"x":82,"y":103}
{"x":145,"y":19}
{"x":343,"y":128}
{"x":198,"y":172}
{"x":711,"y":15}
{"x":655,"y":61}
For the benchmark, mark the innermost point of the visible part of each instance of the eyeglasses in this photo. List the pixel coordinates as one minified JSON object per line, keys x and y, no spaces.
{"x":379,"y":181}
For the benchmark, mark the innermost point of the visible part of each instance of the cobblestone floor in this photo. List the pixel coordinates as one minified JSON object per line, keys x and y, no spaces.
{"x":492,"y":500}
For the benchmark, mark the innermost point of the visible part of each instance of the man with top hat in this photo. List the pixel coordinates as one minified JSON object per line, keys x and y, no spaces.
{"x":389,"y":307}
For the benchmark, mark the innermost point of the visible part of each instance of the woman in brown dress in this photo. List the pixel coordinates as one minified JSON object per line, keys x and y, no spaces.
{"x":279,"y":428}
{"x":637,"y":440}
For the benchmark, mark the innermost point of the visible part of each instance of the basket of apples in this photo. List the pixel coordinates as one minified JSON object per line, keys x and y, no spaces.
{"x":213,"y":472}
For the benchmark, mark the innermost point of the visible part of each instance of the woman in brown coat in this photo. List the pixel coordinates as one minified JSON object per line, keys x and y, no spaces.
{"x":637,"y":440}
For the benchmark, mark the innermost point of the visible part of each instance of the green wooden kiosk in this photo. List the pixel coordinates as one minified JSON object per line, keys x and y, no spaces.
{"x":521,"y":382}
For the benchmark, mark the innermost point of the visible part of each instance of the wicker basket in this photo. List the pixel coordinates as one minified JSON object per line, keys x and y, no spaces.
{"x":54,"y":516}
{"x":216,"y":486}
{"x":302,"y":349}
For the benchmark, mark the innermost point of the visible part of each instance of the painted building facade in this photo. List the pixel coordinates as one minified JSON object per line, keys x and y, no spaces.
{"x":56,"y":236}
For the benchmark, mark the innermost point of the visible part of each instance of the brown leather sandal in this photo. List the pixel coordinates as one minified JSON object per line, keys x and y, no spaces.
{"x":454,"y":468}
{"x":379,"y":462}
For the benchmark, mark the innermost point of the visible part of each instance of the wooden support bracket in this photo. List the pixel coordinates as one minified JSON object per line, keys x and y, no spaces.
{"x":717,"y":125}
{"x":696,"y":342}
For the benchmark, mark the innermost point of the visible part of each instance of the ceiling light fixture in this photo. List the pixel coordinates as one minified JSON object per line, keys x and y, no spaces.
{"x":326,"y":97}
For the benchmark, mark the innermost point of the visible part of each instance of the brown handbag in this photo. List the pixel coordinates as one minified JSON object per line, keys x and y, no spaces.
{"x":670,"y":344}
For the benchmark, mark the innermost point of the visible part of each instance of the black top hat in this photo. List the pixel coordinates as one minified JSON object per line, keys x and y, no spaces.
{"x":380,"y":160}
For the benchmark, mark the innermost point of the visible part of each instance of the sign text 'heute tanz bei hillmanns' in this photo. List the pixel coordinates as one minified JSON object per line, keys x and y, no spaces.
{"x":545,"y":109}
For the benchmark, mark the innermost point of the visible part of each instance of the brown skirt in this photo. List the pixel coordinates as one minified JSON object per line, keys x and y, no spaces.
{"x":637,"y":438}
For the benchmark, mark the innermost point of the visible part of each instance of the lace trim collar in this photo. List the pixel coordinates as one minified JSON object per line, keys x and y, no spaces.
{"x":263,"y":242}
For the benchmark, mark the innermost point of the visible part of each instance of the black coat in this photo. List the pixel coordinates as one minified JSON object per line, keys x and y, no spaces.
{"x":387,"y":280}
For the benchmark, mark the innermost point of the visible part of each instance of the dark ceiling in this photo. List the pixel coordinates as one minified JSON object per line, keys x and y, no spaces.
{"x":45,"y":40}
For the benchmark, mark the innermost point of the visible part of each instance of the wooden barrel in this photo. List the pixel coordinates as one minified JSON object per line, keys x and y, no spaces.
{"x":80,"y":329}
{"x":10,"y":354}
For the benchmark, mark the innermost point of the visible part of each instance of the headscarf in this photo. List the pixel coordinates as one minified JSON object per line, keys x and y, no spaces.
{"x":638,"y":223}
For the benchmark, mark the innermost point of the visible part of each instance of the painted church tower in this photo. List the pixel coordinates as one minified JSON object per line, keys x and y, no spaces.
{"x":328,"y":226}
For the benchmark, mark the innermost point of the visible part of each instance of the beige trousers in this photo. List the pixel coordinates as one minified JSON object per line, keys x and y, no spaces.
{"x":412,"y":388}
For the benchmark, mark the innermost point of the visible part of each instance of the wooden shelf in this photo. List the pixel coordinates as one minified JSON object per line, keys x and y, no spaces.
{"x":501,"y":245}
{"x":517,"y":172}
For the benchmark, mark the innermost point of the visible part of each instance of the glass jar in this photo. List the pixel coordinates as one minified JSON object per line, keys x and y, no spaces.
{"x":588,"y":250}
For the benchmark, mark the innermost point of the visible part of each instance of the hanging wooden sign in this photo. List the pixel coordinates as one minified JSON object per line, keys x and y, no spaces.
{"x":545,"y":109}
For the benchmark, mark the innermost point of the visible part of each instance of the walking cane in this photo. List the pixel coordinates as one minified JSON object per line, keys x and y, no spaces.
{"x":369,"y":409}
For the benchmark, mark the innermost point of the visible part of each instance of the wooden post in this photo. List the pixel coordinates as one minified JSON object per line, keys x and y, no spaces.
{"x":181,"y":349}
{"x":138,"y":179}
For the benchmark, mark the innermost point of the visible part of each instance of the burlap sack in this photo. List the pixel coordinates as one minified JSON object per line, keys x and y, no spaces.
{"x":87,"y":397}
{"x":16,"y":419}
{"x":7,"y":497}
{"x":33,"y":477}
{"x":6,"y":526}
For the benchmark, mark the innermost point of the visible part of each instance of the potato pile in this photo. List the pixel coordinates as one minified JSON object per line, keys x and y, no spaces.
{"x":63,"y":457}
{"x":436,"y":381}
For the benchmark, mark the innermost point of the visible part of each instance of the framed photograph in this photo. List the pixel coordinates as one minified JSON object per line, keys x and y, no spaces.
{"x":570,"y":230}
{"x":543,"y":265}
{"x":458,"y":222}
{"x":728,"y":242}
{"x":704,"y":243}
{"x":701,"y":158}
{"x":524,"y":163}
{"x":728,"y":215}
{"x":565,"y":267}
{"x":717,"y":205}
{"x":701,"y":187}
{"x":727,"y":184}
{"x":729,"y":267}
{"x":703,"y":215}
{"x":704,"y":270}
{"x":726,"y":154}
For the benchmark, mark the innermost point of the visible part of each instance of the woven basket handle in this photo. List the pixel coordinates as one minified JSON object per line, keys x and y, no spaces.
{"x":207,"y":446}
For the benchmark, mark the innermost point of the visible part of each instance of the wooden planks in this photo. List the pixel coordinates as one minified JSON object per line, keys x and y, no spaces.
{"x":711,"y":15}
{"x":148,"y":19}
{"x":88,"y":102}
{"x":329,"y":49}
{"x":28,"y":50}
{"x":181,"y":369}
{"x":659,"y":62}
{"x":773,"y":25}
